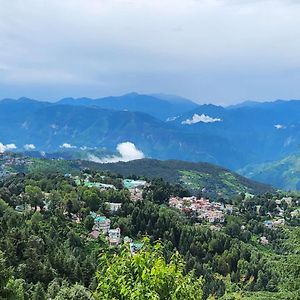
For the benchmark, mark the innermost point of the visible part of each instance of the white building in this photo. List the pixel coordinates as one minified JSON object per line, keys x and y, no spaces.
{"x":114,"y":236}
{"x":113,"y":207}
{"x":102,"y":224}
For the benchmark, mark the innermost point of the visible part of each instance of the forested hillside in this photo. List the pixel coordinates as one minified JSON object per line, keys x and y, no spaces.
{"x":50,"y":249}
{"x":205,"y":178}
{"x":215,"y":181}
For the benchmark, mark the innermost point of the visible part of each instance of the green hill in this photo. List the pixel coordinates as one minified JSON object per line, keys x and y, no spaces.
{"x":215,"y":180}
{"x":283,"y":173}
{"x":212,"y":180}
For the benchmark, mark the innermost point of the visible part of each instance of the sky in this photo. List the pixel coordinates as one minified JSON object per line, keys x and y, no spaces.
{"x":218,"y":51}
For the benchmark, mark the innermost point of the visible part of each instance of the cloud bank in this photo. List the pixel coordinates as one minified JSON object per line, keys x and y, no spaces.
{"x":127,"y":152}
{"x":200,"y":118}
{"x":8,"y":147}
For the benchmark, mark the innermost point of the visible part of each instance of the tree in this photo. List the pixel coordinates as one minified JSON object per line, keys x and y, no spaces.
{"x":75,"y":292}
{"x":10,"y":288}
{"x":89,"y":222}
{"x":145,"y":275}
{"x":91,"y":199}
{"x":35,"y":195}
{"x":39,"y":293}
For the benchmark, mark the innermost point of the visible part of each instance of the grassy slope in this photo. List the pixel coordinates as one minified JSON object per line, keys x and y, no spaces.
{"x":283,"y":174}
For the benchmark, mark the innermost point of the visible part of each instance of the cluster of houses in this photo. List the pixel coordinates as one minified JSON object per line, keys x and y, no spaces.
{"x":280,"y":211}
{"x":9,"y":162}
{"x":102,"y":226}
{"x":271,"y":224}
{"x":213,"y":212}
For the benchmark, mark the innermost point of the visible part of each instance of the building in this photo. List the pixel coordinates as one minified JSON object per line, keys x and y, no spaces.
{"x":228,"y":208}
{"x":99,"y":185}
{"x":23,"y":208}
{"x":264,"y":240}
{"x":131,"y":184}
{"x":279,"y":222}
{"x":268,"y":223}
{"x":135,"y":247}
{"x":114,"y":236}
{"x":288,"y":200}
{"x":136,"y":194}
{"x":295,"y":213}
{"x":127,"y":240}
{"x":114,"y":207}
{"x":102,"y":224}
{"x":94,"y":234}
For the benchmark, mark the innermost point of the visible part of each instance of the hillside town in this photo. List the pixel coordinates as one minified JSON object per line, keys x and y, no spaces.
{"x":203,"y":209}
{"x":11,"y":163}
{"x":102,"y":224}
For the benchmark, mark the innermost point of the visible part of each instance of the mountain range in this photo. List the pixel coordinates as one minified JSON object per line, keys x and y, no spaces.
{"x":159,"y":106}
{"x":160,"y":126}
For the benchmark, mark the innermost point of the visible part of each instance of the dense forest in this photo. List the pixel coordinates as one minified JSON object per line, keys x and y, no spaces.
{"x":46,"y":251}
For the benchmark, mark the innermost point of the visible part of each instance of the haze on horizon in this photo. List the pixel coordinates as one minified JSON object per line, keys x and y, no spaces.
{"x":219,"y":51}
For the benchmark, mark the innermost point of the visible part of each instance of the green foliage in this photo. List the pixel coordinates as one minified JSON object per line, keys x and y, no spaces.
{"x":10,"y":288}
{"x":46,"y":251}
{"x":145,"y":275}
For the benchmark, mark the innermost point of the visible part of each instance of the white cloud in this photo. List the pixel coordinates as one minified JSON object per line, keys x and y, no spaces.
{"x":279,"y":126}
{"x":67,"y":146}
{"x":200,"y":118}
{"x":127,"y":152}
{"x":29,"y":147}
{"x":7,"y":147}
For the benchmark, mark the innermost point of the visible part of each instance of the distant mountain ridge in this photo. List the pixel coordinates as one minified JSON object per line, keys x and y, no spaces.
{"x":159,"y":106}
{"x":232,"y":137}
{"x":49,"y":126}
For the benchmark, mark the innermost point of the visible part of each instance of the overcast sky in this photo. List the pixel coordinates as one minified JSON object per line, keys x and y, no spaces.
{"x":221,"y":51}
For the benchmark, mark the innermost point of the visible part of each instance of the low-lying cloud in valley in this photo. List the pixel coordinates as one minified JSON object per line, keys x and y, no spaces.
{"x":200,"y":118}
{"x":127,"y":152}
{"x":7,"y":147}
